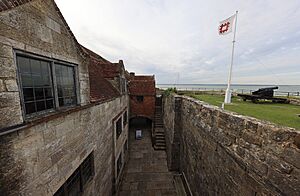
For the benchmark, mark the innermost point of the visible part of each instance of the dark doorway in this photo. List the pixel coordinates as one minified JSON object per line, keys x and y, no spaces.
{"x":140,"y":122}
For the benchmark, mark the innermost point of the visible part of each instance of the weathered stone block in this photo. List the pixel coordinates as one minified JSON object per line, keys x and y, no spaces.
{"x":279,"y":164}
{"x":7,"y":68}
{"x":281,"y":135}
{"x":6,"y":51}
{"x":252,"y":138}
{"x":292,"y":156}
{"x":2,"y":86}
{"x":11,"y":85}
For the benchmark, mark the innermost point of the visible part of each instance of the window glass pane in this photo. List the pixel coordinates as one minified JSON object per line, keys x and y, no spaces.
{"x":125,"y":118}
{"x":49,"y":104}
{"x":87,"y":169}
{"x":27,"y":80}
{"x":35,"y":74}
{"x":68,"y":100}
{"x":60,"y":192}
{"x":30,"y":108}
{"x":28,"y":94}
{"x":45,"y":68}
{"x":119,"y":127}
{"x":48,"y":93}
{"x":37,"y":80}
{"x":35,"y":67}
{"x":61,"y":101}
{"x":25,"y":68}
{"x":39,"y":93}
{"x":73,"y":184}
{"x":65,"y":84}
{"x":40,"y":105}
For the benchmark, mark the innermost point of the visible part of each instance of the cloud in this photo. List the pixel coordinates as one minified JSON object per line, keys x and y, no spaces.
{"x":166,"y":37}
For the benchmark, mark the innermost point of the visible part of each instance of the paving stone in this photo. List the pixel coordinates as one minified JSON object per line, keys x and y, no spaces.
{"x":146,"y":172}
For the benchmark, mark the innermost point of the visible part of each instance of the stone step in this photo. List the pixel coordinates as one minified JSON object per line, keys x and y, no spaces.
{"x":159,"y":134}
{"x":160,"y":141}
{"x":159,"y":147}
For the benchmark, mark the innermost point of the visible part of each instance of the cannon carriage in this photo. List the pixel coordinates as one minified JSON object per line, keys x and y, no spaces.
{"x":263,"y":94}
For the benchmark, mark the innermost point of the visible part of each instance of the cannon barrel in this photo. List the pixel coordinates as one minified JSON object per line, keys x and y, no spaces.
{"x":268,"y":88}
{"x":265,"y":92}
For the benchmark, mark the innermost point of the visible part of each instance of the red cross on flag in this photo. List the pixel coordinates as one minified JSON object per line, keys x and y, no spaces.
{"x":226,"y":26}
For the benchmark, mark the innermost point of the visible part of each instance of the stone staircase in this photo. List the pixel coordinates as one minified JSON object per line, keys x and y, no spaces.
{"x":159,"y":133}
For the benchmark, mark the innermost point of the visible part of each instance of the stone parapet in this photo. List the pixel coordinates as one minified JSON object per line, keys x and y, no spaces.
{"x":223,"y":153}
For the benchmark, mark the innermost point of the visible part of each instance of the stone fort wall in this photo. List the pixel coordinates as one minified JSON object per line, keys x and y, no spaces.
{"x":39,"y":159}
{"x":222,"y":153}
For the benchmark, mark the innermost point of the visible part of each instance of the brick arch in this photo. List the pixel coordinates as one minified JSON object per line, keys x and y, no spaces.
{"x":141,"y":116}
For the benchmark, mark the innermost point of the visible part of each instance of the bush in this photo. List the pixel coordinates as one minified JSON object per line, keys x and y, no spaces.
{"x":170,"y":91}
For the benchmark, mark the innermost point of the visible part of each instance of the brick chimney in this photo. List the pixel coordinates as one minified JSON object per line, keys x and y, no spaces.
{"x":132,"y":74}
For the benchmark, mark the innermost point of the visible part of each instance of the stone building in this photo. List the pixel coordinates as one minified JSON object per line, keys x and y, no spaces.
{"x":142,"y":96}
{"x":63,"y":108}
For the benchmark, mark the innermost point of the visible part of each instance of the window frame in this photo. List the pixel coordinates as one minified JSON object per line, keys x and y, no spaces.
{"x":125,"y":118}
{"x":140,"y":98}
{"x":120,"y":119}
{"x":53,"y":82}
{"x":121,"y":160}
{"x":79,"y":171}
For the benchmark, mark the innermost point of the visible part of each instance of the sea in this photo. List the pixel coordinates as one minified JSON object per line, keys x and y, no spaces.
{"x":284,"y":90}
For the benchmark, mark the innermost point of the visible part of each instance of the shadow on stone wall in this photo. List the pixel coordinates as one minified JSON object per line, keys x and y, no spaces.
{"x":222,"y":153}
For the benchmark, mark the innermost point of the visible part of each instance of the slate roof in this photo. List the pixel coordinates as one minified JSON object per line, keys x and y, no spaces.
{"x":142,"y":85}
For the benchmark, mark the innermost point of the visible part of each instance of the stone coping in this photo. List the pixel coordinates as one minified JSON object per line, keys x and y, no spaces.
{"x":278,"y":133}
{"x":258,"y":121}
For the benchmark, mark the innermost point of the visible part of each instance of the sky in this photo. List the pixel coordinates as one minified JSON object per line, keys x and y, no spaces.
{"x":178,"y":40}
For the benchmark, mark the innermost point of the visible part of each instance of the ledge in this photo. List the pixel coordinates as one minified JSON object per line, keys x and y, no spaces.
{"x":50,"y":116}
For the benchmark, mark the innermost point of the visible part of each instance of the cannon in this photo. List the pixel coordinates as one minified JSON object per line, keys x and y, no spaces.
{"x":263,"y":94}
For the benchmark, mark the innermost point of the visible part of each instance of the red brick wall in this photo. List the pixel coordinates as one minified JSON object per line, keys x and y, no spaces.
{"x":142,"y":109}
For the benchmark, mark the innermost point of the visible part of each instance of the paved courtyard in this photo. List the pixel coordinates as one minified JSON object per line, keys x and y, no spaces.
{"x":146,"y":172}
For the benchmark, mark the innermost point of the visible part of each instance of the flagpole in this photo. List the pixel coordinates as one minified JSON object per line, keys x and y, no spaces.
{"x":228,"y":90}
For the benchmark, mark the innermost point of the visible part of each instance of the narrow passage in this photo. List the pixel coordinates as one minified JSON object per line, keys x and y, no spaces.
{"x":146,"y":172}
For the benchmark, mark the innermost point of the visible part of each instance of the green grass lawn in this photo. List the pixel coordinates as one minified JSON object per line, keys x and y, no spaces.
{"x":282,"y":114}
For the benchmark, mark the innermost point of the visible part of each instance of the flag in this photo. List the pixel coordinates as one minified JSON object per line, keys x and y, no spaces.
{"x":226,"y":26}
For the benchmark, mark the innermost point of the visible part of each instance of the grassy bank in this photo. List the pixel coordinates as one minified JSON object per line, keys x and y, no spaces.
{"x":282,"y":114}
